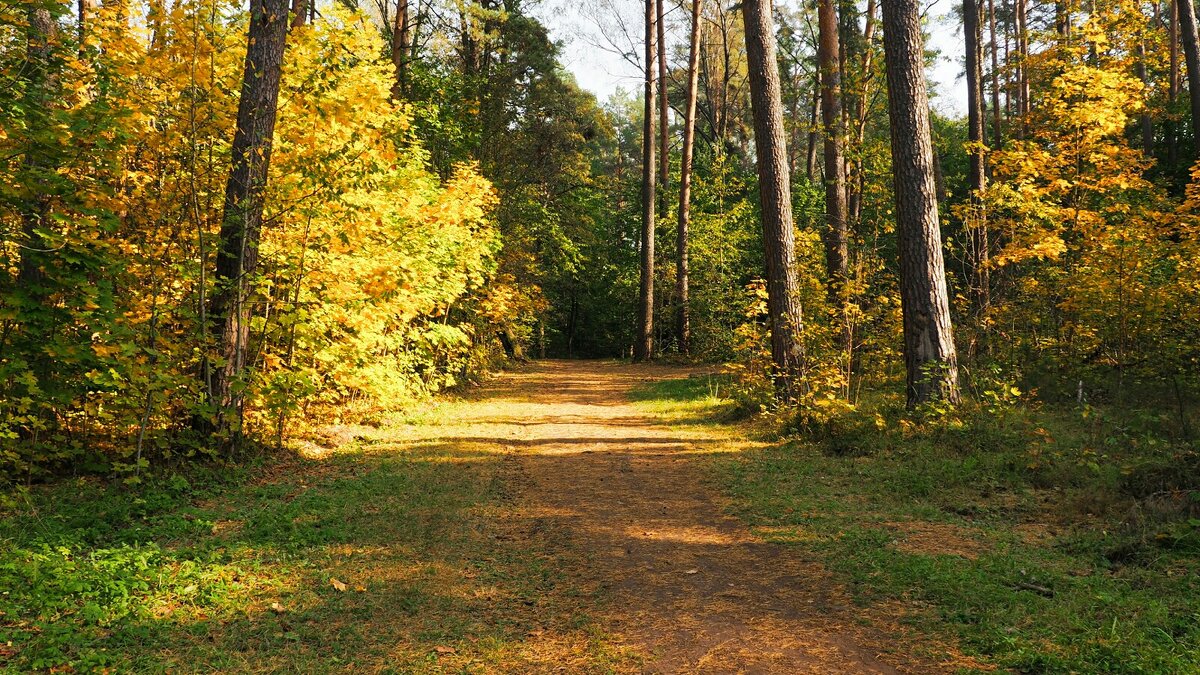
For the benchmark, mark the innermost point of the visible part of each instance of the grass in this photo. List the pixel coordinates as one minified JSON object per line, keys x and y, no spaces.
{"x":1039,"y":540}
{"x":701,"y":399}
{"x":235,"y":570}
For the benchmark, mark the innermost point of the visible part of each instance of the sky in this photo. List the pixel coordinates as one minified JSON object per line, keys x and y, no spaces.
{"x":598,"y":68}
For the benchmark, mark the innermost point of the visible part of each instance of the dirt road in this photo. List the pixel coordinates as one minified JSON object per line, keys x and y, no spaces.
{"x":622,"y":493}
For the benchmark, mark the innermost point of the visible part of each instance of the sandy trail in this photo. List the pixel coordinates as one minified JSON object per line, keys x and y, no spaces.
{"x":688,"y":586}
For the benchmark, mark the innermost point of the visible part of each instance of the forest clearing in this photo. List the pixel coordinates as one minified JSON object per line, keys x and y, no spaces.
{"x":361,"y":336}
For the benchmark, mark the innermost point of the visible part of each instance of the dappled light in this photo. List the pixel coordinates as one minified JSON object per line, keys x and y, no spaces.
{"x":361,"y":336}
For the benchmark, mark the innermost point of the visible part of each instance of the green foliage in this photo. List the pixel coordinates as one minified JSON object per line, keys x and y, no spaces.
{"x":230,"y":569}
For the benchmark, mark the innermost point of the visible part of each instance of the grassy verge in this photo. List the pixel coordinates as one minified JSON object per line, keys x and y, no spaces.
{"x":1040,"y":540}
{"x":383,"y":555}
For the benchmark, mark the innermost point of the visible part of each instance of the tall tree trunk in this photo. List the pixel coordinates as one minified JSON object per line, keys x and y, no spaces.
{"x":775,"y":195}
{"x":836,"y":252}
{"x":664,"y":129}
{"x":1173,"y":87}
{"x":1062,"y":18}
{"x":810,"y":159}
{"x":1145,"y":120}
{"x":84,"y":9}
{"x":39,"y":95}
{"x":300,"y":12}
{"x":241,"y":223}
{"x":1023,"y":103}
{"x":643,"y":346}
{"x":928,"y":337}
{"x":1191,"y":57}
{"x":400,"y":47}
{"x":997,"y":133}
{"x":683,"y":327}
{"x":977,"y":173}
{"x":855,"y":180}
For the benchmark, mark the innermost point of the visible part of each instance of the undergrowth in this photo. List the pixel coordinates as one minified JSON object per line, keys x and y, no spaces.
{"x":377,"y":556}
{"x":1045,"y":539}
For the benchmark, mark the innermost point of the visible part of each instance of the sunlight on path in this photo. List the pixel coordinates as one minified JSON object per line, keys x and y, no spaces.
{"x":688,"y":586}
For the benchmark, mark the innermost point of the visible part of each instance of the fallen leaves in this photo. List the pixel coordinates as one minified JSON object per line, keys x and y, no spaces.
{"x":339,"y":586}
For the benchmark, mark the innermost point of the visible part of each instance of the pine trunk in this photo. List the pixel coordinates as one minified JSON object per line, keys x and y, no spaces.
{"x":400,"y":49}
{"x":683,"y":327}
{"x":929,"y":354}
{"x":976,"y":174}
{"x":1191,"y":58}
{"x":836,"y":248}
{"x":1172,"y":129}
{"x":783,"y":301}
{"x":997,"y":133}
{"x":664,"y":130}
{"x":643,"y":346}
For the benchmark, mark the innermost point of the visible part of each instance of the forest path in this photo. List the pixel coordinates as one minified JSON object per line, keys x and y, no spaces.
{"x":618,"y":493}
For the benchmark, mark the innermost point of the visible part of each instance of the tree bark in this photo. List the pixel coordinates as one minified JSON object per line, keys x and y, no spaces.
{"x":241,"y":223}
{"x":1191,"y":57}
{"x":1145,"y":120}
{"x":929,"y":354}
{"x":997,"y":122}
{"x":299,"y":12}
{"x":775,"y":196}
{"x":664,"y":129}
{"x":856,"y":179}
{"x":683,"y":327}
{"x":836,"y":247}
{"x":977,"y":172}
{"x":1022,"y":71}
{"x":810,"y":158}
{"x":39,"y":95}
{"x":400,"y":47}
{"x":643,"y":346}
{"x":1173,"y":87}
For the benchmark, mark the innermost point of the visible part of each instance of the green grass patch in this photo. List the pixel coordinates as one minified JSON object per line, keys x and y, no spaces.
{"x":231,"y":570}
{"x":1042,"y":540}
{"x":699,"y":399}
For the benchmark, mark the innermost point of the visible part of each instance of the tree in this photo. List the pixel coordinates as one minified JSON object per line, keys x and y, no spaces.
{"x":664,"y":120}
{"x":775,"y":198}
{"x":994,"y":48}
{"x":1190,"y":37}
{"x":683,"y":327}
{"x":836,"y":252}
{"x":929,"y":354}
{"x":400,"y":46}
{"x":1173,"y":84}
{"x":40,"y":81}
{"x":643,"y":346}
{"x":976,"y":174}
{"x":241,"y":224}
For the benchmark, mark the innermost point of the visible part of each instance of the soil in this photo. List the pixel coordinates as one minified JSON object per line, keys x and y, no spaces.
{"x":622,"y":495}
